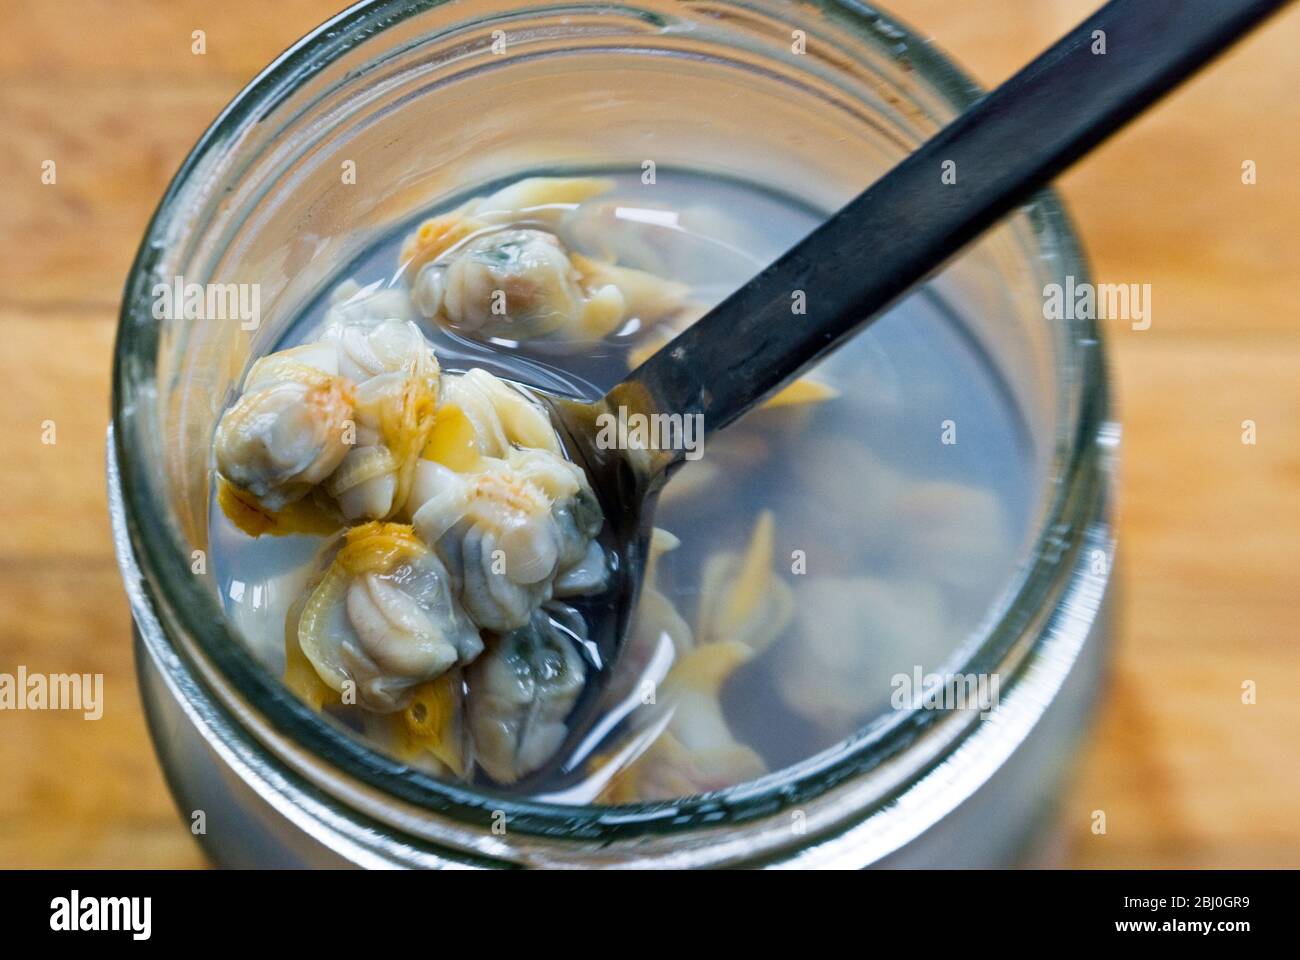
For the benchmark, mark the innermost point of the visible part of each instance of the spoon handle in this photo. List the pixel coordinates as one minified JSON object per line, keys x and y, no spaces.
{"x":1009,"y":144}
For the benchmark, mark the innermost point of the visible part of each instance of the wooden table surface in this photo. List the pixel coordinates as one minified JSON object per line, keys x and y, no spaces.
{"x":1210,"y":527}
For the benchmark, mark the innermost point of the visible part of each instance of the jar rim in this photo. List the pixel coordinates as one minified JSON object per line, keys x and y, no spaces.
{"x":187,"y":606}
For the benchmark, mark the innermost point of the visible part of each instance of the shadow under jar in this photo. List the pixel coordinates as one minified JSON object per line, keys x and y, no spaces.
{"x":803,"y":102}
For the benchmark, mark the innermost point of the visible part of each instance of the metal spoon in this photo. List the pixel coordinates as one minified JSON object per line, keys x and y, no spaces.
{"x":1008,"y":145}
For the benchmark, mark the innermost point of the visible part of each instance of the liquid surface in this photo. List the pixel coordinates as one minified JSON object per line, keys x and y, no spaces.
{"x":891,"y":512}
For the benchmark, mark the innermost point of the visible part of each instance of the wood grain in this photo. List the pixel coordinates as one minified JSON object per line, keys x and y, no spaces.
{"x":1210,"y":527}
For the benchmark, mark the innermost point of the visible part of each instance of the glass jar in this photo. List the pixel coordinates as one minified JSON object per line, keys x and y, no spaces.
{"x":421,"y":100}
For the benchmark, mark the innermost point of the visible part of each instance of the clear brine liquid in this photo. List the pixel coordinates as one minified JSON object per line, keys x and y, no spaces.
{"x":894,"y":541}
